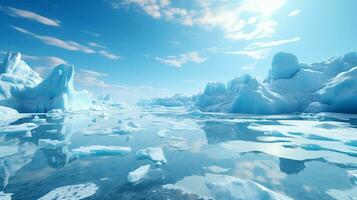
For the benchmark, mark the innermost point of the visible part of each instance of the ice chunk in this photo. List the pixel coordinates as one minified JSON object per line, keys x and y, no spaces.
{"x":8,"y":150}
{"x":100,"y":150}
{"x":5,"y":196}
{"x":353,"y":175}
{"x":138,"y":174}
{"x":162,"y":133}
{"x":154,"y":153}
{"x":51,"y":144}
{"x":72,"y":192}
{"x":19,"y":128}
{"x":349,"y":194}
{"x":37,"y":119}
{"x":8,"y":115}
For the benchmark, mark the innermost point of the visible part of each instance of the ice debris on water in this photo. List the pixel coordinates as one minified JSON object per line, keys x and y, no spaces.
{"x":19,"y":128}
{"x":71,"y":192}
{"x":154,"y":153}
{"x":51,"y":144}
{"x":138,"y":174}
{"x":100,"y":150}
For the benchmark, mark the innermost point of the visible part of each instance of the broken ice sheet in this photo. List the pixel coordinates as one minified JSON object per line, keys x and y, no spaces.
{"x":72,"y":192}
{"x":19,"y":128}
{"x":214,"y":186}
{"x":154,"y":153}
{"x":100,"y":150}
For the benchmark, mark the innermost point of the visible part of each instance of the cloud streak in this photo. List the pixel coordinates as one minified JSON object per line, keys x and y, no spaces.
{"x":178,"y":61}
{"x":294,"y":13}
{"x":25,"y":14}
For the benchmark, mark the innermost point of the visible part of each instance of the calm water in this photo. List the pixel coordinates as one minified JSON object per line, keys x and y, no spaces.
{"x":301,"y":156}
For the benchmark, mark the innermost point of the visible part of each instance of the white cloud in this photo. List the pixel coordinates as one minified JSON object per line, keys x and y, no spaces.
{"x":239,"y":20}
{"x":14,"y":12}
{"x":69,"y":45}
{"x":294,"y":13}
{"x":178,"y":61}
{"x":109,"y":55}
{"x":96,"y":45}
{"x":92,"y":33}
{"x":254,"y":54}
{"x":260,"y":50}
{"x":274,"y":43}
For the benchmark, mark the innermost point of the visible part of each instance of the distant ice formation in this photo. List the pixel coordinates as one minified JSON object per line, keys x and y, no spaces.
{"x":290,"y":86}
{"x":23,"y":89}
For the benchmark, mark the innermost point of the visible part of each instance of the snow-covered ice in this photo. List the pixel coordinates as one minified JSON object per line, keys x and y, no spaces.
{"x":100,"y":150}
{"x":156,"y":154}
{"x":138,"y":174}
{"x":72,"y":192}
{"x":5,"y":196}
{"x":23,"y":89}
{"x":19,"y":128}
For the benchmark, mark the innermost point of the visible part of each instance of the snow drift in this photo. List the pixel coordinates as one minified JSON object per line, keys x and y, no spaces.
{"x":23,"y":89}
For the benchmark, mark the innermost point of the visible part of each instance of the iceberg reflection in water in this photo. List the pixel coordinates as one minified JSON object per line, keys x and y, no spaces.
{"x":202,"y":155}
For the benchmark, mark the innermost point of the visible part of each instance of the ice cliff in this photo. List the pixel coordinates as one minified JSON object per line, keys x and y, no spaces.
{"x":23,"y":89}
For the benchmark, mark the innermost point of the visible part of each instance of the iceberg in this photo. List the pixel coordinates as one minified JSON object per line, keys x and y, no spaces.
{"x":138,"y":174}
{"x":23,"y":89}
{"x":155,"y":154}
{"x":289,"y":87}
{"x":20,"y":128}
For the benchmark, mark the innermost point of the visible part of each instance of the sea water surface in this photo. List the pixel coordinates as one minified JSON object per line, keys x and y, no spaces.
{"x":89,"y":155}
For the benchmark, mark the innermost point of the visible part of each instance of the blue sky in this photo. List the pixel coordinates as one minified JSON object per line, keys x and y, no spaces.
{"x":145,"y":48}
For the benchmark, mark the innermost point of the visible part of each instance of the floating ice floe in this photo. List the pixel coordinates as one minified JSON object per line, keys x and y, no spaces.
{"x":8,"y":115}
{"x":100,"y":150}
{"x":154,"y":153}
{"x":71,"y":192}
{"x":162,"y":133}
{"x":138,"y":174}
{"x":8,"y":150}
{"x":353,"y":175}
{"x":52,"y":131}
{"x":51,"y":144}
{"x":5,"y":196}
{"x":214,"y":186}
{"x":19,"y":128}
{"x":349,"y":194}
{"x":38,"y":120}
{"x":217,"y":169}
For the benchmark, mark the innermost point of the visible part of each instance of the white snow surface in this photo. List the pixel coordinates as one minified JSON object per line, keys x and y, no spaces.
{"x":23,"y":89}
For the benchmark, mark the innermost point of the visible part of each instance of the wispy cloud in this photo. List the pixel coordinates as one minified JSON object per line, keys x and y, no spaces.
{"x":274,"y":43}
{"x":92,"y":33}
{"x":69,"y":45}
{"x":109,"y":55}
{"x":254,"y":54}
{"x":294,"y":13}
{"x":178,"y":61}
{"x":239,"y":20}
{"x":260,"y":50}
{"x":14,"y":12}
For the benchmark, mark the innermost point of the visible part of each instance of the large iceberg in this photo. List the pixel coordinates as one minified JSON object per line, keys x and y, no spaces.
{"x":23,"y":89}
{"x":290,"y":86}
